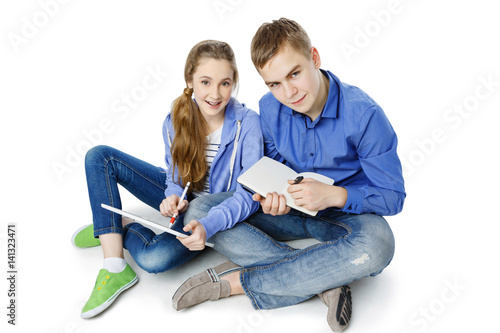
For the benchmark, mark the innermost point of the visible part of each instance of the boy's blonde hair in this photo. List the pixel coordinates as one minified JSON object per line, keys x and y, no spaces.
{"x":273,"y":37}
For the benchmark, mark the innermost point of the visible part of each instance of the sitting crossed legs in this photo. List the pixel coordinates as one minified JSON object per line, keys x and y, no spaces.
{"x":273,"y":274}
{"x":311,"y":121}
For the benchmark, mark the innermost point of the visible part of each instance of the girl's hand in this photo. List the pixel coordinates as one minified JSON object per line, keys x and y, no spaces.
{"x":171,"y":205}
{"x":196,"y":241}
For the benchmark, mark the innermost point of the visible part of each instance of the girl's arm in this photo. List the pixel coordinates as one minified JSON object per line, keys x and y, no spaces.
{"x":240,"y":205}
{"x":172,"y":188}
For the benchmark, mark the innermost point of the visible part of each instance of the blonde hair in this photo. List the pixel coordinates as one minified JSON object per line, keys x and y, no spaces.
{"x":188,"y":145}
{"x":271,"y":38}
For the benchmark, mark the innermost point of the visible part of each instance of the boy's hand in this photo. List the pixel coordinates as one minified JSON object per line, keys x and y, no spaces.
{"x":196,"y":241}
{"x":315,"y":195}
{"x":171,"y":205}
{"x":273,"y":203}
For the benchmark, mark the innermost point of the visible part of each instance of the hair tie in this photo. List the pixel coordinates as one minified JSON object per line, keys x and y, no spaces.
{"x":188,"y":92}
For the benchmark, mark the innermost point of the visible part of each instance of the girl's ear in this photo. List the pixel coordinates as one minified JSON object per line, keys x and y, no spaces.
{"x":190,"y":85}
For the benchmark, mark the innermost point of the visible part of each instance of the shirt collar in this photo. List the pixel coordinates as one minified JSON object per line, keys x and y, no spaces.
{"x":331,"y":108}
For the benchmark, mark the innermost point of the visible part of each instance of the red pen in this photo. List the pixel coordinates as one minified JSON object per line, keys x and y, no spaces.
{"x":172,"y":220}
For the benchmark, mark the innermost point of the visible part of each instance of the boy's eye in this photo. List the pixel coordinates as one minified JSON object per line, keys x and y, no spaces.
{"x":273,"y":85}
{"x":294,"y":74}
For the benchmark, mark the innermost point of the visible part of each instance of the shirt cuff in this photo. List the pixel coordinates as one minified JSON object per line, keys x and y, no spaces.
{"x":354,"y":202}
{"x":209,"y":226}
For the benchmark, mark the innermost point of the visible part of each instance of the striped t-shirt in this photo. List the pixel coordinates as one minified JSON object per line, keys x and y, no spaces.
{"x":211,"y":149}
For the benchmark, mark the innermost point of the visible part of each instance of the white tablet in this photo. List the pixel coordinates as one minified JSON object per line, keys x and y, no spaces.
{"x":147,"y":222}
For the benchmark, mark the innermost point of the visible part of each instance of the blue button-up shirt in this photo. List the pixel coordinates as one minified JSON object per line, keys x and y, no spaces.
{"x":351,"y":141}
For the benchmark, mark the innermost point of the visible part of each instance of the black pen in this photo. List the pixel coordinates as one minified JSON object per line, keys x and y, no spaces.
{"x":298,"y":180}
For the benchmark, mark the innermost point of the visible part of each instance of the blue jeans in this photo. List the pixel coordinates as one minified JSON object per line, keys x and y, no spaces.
{"x":276,"y":275}
{"x":105,"y":168}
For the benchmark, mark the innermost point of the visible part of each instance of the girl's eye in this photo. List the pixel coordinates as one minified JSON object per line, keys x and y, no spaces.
{"x":205,"y":83}
{"x":225,"y":84}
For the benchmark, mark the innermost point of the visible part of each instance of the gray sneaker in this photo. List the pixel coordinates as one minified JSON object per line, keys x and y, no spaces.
{"x":339,"y":302}
{"x":204,"y":286}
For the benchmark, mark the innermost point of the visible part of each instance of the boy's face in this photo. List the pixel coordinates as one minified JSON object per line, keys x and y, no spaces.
{"x":295,"y":81}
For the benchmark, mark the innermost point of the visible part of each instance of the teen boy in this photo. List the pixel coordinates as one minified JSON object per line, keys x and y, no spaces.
{"x":311,"y":122}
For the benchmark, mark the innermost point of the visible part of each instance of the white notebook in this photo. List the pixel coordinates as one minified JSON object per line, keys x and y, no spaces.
{"x":148,"y":222}
{"x":268,"y":175}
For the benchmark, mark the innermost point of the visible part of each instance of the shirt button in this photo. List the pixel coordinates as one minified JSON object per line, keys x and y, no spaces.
{"x":311,"y":154}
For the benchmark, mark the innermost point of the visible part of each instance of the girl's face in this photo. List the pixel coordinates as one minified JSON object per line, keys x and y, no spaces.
{"x":212,"y":87}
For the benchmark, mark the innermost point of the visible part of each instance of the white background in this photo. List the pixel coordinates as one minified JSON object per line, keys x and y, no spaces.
{"x":65,"y":67}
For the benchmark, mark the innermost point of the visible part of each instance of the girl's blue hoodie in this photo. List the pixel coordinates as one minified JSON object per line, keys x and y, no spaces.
{"x":241,"y":147}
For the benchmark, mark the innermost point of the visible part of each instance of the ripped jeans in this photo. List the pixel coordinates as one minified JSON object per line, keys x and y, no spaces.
{"x":275,"y":274}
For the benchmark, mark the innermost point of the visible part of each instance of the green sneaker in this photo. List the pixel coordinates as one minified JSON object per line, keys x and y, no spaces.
{"x":107,"y":287}
{"x":84,"y":237}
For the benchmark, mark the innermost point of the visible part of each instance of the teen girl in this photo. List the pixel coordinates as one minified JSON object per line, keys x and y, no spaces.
{"x":209,"y":141}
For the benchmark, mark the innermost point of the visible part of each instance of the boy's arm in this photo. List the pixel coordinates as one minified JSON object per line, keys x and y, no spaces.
{"x":383,"y":193}
{"x":273,"y":203}
{"x":376,"y":145}
{"x":269,"y":147}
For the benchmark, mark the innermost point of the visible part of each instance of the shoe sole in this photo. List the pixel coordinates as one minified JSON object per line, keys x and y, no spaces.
{"x":74,"y":236}
{"x":344,"y":308}
{"x":95,"y":311}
